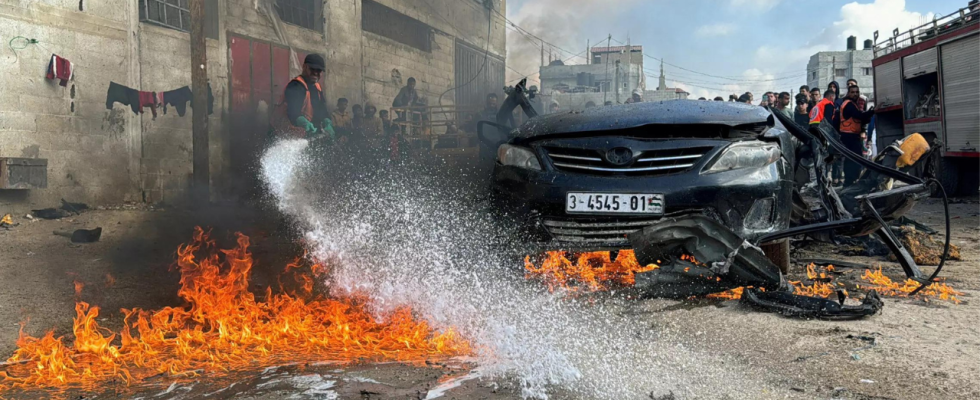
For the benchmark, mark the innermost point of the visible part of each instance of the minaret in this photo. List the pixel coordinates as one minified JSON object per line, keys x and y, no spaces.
{"x":663,"y":79}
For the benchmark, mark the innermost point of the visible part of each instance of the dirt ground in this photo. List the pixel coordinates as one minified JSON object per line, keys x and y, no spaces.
{"x":922,"y":350}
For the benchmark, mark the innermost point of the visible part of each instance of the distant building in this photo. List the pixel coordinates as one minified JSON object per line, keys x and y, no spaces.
{"x":612,"y":74}
{"x":663,"y":92}
{"x":827,"y":66}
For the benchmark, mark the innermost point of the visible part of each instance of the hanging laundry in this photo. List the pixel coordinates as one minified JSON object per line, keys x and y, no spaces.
{"x":177,"y":98}
{"x":148,"y":99}
{"x":60,"y":68}
{"x":124,"y":95}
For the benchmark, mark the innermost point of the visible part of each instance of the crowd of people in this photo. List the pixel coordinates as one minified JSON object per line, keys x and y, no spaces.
{"x":847,"y":112}
{"x":370,"y":128}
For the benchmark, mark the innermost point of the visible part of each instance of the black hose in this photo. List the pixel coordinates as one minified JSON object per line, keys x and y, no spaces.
{"x":942,"y":261}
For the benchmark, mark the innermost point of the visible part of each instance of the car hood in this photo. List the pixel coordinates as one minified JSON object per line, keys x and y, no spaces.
{"x":670,"y":112}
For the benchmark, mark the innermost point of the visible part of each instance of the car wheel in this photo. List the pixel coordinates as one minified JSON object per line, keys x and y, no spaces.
{"x":778,"y":253}
{"x":948,"y":176}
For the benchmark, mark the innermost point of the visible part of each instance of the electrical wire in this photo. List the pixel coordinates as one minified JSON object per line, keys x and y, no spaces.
{"x":27,"y":42}
{"x":486,"y":55}
{"x":736,"y":79}
{"x":942,"y":261}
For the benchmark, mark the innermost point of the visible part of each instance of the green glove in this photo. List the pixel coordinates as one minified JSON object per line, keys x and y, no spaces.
{"x":328,"y":129}
{"x":304,"y":123}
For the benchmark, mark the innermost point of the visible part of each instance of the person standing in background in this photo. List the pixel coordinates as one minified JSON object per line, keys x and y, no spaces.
{"x":765,"y":100}
{"x":852,"y":119}
{"x":815,"y":97}
{"x":341,"y":118}
{"x":372,"y":130}
{"x":801,"y":114}
{"x":356,"y":118}
{"x":782,"y":105}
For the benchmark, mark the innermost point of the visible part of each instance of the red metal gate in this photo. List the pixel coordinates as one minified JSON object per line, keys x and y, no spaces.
{"x":259,"y":74}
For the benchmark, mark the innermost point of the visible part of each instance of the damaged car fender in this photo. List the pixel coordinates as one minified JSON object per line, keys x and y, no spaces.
{"x":721,"y":259}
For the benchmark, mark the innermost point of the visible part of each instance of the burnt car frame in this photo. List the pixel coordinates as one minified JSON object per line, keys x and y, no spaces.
{"x":731,"y":161}
{"x":682,"y":151}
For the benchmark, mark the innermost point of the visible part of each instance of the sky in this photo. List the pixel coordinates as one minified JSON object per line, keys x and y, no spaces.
{"x":711,"y":47}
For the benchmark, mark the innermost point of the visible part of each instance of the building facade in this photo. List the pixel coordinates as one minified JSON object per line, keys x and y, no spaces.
{"x":853,"y":63}
{"x":101,"y":152}
{"x":662,"y":92}
{"x":612,"y":74}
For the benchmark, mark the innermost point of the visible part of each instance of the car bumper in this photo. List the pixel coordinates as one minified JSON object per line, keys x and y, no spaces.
{"x":751,"y":202}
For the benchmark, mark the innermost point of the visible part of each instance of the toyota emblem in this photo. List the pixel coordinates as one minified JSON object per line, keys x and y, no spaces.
{"x":619,"y":156}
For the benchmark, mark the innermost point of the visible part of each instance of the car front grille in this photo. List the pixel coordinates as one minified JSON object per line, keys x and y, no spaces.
{"x":645,"y":163}
{"x":594,"y":233}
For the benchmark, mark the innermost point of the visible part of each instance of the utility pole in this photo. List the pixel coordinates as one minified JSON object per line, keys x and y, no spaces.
{"x":606,"y":59}
{"x":588,"y":53}
{"x":542,"y":53}
{"x":199,"y":85}
{"x":617,"y":81}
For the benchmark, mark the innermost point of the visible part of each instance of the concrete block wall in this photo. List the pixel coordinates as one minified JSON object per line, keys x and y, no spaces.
{"x":166,"y":154}
{"x":434,"y":71}
{"x":104,"y":156}
{"x":89,"y":149}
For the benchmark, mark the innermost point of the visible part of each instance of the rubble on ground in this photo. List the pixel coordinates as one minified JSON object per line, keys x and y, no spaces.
{"x":926,"y":248}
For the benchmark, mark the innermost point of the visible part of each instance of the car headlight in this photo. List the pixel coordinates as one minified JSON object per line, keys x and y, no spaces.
{"x":520,"y":157}
{"x":753,"y":154}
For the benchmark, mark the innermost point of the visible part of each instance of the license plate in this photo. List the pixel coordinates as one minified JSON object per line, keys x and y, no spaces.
{"x":614,"y":203}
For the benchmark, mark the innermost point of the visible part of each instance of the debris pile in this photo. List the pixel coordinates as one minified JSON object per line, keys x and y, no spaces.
{"x":594,"y":272}
{"x":67,"y":209}
{"x":7,"y":221}
{"x":925,"y":248}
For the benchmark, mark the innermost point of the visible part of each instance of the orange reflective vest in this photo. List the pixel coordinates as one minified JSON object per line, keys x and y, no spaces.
{"x":852,"y":125}
{"x":816,"y":114}
{"x":281,"y":125}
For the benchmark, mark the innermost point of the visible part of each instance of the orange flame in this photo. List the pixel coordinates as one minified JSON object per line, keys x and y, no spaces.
{"x":886,"y":287}
{"x":224,"y":327}
{"x":730,"y":294}
{"x":591,"y":271}
{"x":820,"y":286}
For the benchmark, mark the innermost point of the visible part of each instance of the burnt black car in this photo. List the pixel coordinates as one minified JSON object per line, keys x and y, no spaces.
{"x":726,"y":183}
{"x":584,"y":180}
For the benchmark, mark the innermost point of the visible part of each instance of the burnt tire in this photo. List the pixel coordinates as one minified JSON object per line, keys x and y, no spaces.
{"x":948,"y":174}
{"x":778,"y":253}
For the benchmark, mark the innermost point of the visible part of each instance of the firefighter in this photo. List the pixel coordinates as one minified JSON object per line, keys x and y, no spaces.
{"x":823,"y":108}
{"x":851,"y":121}
{"x":302,"y":110}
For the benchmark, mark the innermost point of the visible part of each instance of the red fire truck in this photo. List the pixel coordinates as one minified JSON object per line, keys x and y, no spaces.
{"x":927,"y":80}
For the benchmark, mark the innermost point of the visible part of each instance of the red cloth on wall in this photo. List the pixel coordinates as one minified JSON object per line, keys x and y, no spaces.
{"x":60,"y":68}
{"x":149,"y":99}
